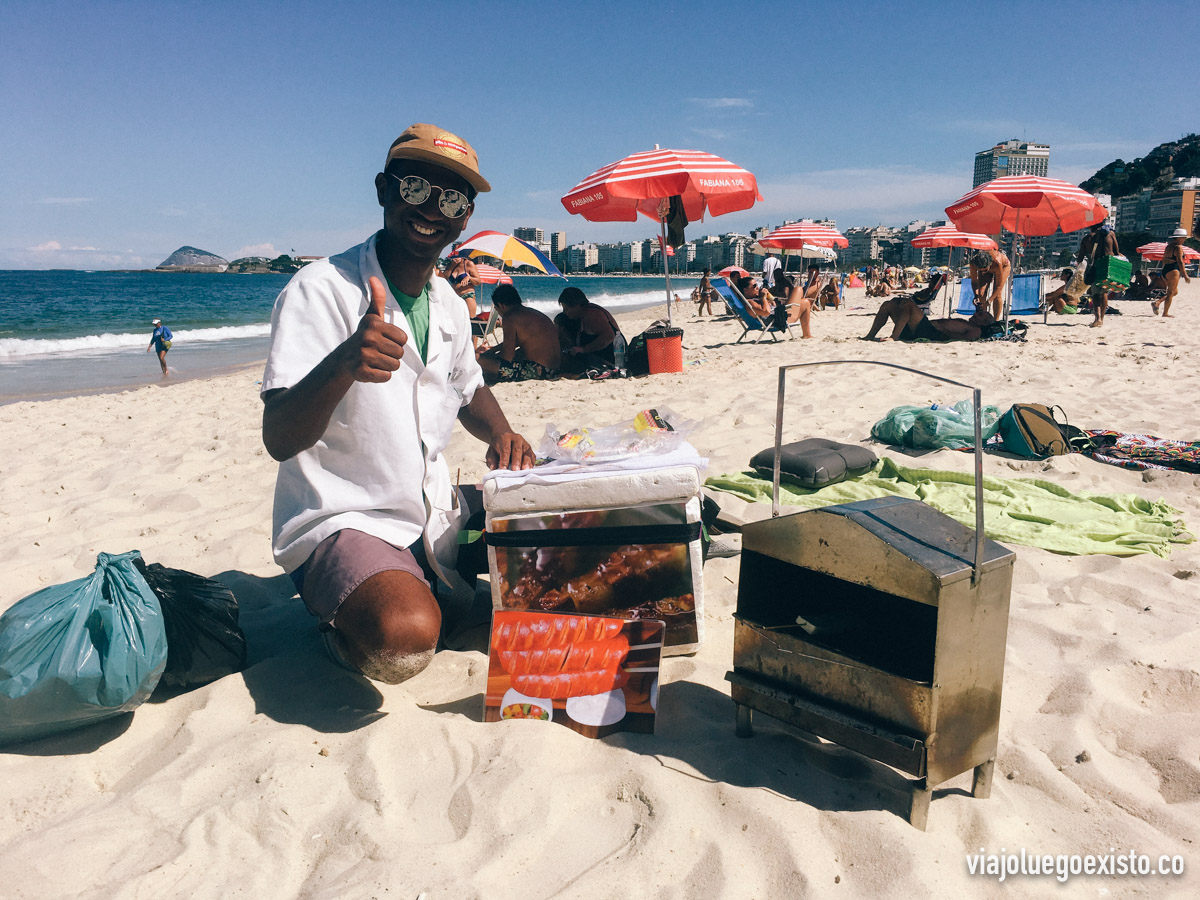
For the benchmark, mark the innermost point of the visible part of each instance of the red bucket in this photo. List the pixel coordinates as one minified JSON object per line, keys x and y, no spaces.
{"x":664,"y":350}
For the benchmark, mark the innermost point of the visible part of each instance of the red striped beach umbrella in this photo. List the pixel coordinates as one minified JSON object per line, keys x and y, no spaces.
{"x":1157,"y":249}
{"x":949,"y":236}
{"x":636,"y":184}
{"x":799,"y":234}
{"x":1025,"y":204}
{"x":491,"y":275}
{"x":645,"y":183}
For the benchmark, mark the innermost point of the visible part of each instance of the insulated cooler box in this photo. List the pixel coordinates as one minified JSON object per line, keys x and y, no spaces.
{"x":1112,"y":272}
{"x":621,"y":544}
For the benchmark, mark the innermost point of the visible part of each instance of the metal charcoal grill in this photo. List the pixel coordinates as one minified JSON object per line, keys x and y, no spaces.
{"x":880,"y":626}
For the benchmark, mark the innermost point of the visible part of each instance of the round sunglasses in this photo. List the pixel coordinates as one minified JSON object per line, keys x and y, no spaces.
{"x":416,"y":190}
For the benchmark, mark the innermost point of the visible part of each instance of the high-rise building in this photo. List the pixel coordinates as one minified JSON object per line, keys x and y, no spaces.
{"x":1012,"y":157}
{"x":533,"y":235}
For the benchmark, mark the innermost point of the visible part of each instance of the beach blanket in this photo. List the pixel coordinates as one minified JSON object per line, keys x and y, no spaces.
{"x":1028,"y":511}
{"x":1144,"y":451}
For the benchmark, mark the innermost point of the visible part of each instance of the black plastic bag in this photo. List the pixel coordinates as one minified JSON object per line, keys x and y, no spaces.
{"x":204,"y":640}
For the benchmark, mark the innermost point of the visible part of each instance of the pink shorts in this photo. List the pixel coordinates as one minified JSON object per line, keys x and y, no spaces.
{"x":346,"y":559}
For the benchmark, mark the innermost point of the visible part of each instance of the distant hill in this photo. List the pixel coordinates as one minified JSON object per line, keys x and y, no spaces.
{"x":1174,"y":159}
{"x":191,"y":257}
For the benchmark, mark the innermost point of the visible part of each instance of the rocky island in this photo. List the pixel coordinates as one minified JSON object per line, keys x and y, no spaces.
{"x":192,"y":259}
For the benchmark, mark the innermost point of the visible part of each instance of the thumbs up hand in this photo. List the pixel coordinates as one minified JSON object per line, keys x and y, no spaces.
{"x":374,"y":351}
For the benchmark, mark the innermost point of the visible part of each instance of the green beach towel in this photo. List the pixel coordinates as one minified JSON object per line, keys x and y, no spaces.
{"x":1027,"y":511}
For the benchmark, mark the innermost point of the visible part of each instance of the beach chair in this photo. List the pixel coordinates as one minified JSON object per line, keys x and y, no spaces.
{"x":1028,"y":295}
{"x":749,"y":321}
{"x":486,"y":329}
{"x":924,"y":297}
{"x":966,"y":298}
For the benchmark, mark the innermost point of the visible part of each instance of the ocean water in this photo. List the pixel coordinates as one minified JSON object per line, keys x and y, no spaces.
{"x":64,"y":333}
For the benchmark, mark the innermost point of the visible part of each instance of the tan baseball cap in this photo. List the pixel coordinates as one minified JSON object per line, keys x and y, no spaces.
{"x":440,"y":147}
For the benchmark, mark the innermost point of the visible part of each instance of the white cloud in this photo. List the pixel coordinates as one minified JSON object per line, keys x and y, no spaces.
{"x":267,"y":250}
{"x":46,"y":247}
{"x":715,"y":133}
{"x":52,"y":255}
{"x":722,"y":102}
{"x":875,"y":194}
{"x":96,"y":249}
{"x":65,"y":201}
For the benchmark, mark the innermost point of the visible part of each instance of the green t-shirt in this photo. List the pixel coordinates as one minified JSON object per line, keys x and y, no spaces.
{"x":416,"y":310}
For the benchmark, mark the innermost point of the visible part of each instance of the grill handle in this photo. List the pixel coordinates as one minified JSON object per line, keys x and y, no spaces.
{"x":977,"y":569}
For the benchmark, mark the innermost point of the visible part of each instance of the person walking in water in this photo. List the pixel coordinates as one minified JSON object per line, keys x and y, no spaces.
{"x":160,"y":343}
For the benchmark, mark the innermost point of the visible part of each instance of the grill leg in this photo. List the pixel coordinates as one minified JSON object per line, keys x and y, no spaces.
{"x":918,"y":811}
{"x":744,"y":721}
{"x":981,"y":787}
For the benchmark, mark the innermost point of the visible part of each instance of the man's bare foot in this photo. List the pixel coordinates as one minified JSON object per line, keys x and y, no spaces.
{"x":1154,"y":304}
{"x":1167,"y":316}
{"x":1095,"y":324}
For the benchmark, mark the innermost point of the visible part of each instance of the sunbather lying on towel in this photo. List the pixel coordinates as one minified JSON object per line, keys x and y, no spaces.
{"x":911,"y":323}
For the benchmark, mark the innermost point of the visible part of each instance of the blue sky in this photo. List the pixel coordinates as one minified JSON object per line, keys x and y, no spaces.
{"x":128,"y":129}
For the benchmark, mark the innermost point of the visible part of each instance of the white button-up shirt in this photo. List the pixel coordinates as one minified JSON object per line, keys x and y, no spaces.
{"x":378,"y":467}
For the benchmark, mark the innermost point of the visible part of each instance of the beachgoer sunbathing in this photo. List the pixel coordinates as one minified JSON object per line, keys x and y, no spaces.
{"x":1139,"y":287}
{"x":883,"y":286}
{"x":464,"y":278}
{"x":759,"y":300}
{"x":829,"y":294}
{"x":1064,"y":299}
{"x":798,"y":307}
{"x":1173,"y":269}
{"x":910,"y":323}
{"x":530,"y":350}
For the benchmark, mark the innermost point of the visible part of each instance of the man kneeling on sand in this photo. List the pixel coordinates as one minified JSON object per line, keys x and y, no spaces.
{"x":911,"y":323}
{"x":530,"y":349}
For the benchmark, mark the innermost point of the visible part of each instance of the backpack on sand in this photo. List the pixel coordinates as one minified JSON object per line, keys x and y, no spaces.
{"x":1031,"y":430}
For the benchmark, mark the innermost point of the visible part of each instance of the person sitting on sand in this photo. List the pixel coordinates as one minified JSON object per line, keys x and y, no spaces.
{"x":911,"y":324}
{"x":370,"y":366}
{"x":1173,"y":268}
{"x":585,"y":332}
{"x":812,"y":284}
{"x":883,"y":286}
{"x":1139,"y":287}
{"x":1064,"y":299}
{"x":530,"y":350}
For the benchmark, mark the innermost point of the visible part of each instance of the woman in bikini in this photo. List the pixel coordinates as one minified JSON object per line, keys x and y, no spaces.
{"x":464,"y":278}
{"x":1172,"y":269}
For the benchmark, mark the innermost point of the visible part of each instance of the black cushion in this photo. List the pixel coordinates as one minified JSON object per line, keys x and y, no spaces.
{"x":815,"y":462}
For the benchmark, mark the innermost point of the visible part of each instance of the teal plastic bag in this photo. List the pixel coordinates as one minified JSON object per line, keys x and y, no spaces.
{"x":75,"y":653}
{"x":936,"y":427}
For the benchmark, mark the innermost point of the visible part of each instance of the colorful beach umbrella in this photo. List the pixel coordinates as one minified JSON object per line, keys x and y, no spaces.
{"x":509,"y":250}
{"x":1025,"y":204}
{"x":1156,"y":249}
{"x":949,"y":236}
{"x":491,"y":275}
{"x":732,"y":270}
{"x":646,"y":182}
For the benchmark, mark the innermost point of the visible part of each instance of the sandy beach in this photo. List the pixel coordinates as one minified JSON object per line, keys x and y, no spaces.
{"x":296,"y":779}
